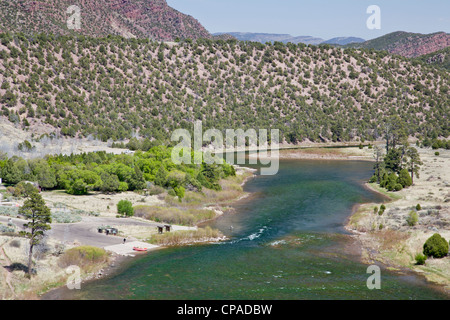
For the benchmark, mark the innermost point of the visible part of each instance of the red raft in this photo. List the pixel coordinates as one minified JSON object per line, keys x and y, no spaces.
{"x":139,"y":249}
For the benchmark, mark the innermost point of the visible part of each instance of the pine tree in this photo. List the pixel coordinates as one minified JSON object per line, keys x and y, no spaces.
{"x":414,"y":162}
{"x":35,"y":210}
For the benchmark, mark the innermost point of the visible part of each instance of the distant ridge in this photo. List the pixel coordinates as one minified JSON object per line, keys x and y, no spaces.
{"x":285,"y":38}
{"x":344,"y":40}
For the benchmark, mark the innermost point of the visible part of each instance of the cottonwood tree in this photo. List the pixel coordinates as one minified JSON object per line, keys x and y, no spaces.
{"x":35,"y":210}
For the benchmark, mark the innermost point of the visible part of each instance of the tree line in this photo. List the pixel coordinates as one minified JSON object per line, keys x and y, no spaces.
{"x":79,"y":174}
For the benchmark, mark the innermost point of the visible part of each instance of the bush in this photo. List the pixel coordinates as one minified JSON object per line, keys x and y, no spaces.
{"x":382,"y":208}
{"x":436,"y":153}
{"x":436,"y":246}
{"x":65,"y":217}
{"x":420,"y":259}
{"x":125,"y":208}
{"x":412,"y":218}
{"x":83,"y":256}
{"x":418,"y":207}
{"x":5,"y":229}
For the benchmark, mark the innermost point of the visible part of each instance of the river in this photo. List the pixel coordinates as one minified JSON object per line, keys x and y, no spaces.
{"x":287,"y":241}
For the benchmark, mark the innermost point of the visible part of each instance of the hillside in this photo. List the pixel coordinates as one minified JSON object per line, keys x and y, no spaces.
{"x":114,"y":88}
{"x":439,"y":58}
{"x":407,"y":44}
{"x":152,"y":19}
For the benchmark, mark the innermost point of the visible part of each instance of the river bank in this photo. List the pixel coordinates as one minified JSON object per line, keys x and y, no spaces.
{"x":369,"y":249}
{"x":85,"y":214}
{"x":389,"y":239}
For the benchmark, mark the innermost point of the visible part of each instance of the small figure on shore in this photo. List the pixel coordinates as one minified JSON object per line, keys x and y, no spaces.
{"x":124,"y":240}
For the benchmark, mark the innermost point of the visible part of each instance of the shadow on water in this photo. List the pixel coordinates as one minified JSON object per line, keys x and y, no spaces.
{"x":287,"y":241}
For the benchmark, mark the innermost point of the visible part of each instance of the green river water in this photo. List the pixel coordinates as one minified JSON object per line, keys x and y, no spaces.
{"x":287,"y":242}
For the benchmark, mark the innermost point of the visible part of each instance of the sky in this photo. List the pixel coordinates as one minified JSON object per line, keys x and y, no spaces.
{"x":320,"y":18}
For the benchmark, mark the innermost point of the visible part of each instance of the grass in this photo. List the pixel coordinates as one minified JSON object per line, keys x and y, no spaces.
{"x":191,"y":209}
{"x":185,"y":236}
{"x":391,"y":195}
{"x":188,"y":217}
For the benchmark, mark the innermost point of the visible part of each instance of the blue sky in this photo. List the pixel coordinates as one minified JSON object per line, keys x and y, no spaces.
{"x":321,"y":18}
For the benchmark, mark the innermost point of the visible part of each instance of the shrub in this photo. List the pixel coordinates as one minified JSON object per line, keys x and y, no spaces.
{"x":155,"y":190}
{"x":436,"y":153}
{"x":418,"y":207}
{"x":412,"y":218}
{"x":436,"y":246}
{"x":65,"y":217}
{"x":5,"y":229}
{"x":83,"y":256}
{"x":420,"y":259}
{"x":125,"y":208}
{"x":382,"y":208}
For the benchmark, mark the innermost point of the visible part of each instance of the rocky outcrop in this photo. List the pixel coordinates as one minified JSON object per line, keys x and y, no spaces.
{"x":414,"y":46}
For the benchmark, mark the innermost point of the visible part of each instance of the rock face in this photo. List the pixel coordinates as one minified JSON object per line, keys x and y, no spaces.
{"x":152,"y":19}
{"x":414,"y":46}
{"x":439,"y":58}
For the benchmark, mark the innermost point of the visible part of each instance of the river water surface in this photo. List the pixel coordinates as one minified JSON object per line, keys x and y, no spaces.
{"x":287,"y":241}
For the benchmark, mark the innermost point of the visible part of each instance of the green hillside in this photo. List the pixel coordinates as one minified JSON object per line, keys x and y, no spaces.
{"x":439,"y":58}
{"x":113,"y":88}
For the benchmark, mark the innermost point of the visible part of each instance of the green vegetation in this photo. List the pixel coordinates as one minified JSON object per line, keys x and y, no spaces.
{"x":172,"y":215}
{"x":186,"y":236}
{"x":396,"y":169}
{"x":440,"y":58}
{"x":99,"y":171}
{"x":436,"y":246}
{"x":420,"y":259}
{"x":412,"y":218}
{"x":436,"y":143}
{"x":125,"y":207}
{"x":113,"y":88}
{"x":85,"y":257}
{"x":38,"y":214}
